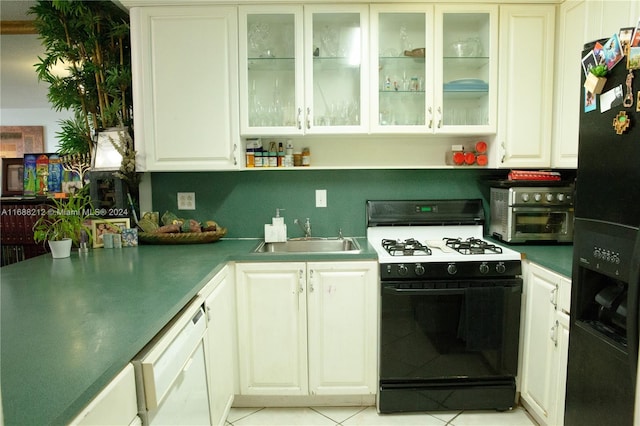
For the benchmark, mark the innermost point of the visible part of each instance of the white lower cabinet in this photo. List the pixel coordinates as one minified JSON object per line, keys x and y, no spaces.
{"x":116,"y":404}
{"x":221,"y":365}
{"x":544,"y":343}
{"x":307,"y":328}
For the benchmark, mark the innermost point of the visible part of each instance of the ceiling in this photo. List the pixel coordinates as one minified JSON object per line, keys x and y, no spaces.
{"x":19,"y":85}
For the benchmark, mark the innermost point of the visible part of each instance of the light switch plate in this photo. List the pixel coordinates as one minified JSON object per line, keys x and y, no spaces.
{"x":321,"y":198}
{"x":186,"y":200}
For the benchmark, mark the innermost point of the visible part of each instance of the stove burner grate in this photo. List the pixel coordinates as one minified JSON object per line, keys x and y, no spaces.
{"x":408,"y":247}
{"x":472,"y":246}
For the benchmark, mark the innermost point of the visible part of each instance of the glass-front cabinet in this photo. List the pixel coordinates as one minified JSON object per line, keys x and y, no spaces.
{"x":271,"y":70}
{"x":303,"y":70}
{"x":434,"y":68}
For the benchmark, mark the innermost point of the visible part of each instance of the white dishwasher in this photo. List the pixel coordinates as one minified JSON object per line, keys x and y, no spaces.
{"x":171,"y":374}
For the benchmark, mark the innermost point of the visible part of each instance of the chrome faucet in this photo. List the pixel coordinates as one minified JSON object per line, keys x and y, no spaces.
{"x":306,"y":228}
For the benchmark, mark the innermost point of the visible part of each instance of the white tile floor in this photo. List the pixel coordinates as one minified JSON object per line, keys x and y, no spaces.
{"x":367,"y":416}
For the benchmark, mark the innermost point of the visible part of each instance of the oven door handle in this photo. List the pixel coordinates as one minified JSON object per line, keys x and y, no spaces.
{"x":423,"y":291}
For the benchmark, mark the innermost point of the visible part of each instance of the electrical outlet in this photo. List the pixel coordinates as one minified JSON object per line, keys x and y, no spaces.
{"x":186,"y":200}
{"x":321,"y":198}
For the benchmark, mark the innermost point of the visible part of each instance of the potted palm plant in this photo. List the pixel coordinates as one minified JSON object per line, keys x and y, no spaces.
{"x":64,"y":223}
{"x":91,"y":41}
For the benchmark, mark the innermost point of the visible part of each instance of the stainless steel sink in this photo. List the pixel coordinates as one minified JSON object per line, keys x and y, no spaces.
{"x":310,"y":245}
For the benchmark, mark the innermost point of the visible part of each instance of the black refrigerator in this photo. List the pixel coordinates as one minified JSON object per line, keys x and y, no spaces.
{"x":603,"y":337}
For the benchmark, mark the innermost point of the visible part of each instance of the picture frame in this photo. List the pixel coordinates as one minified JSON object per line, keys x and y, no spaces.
{"x":612,"y":51}
{"x":633,"y":58}
{"x":105,"y":156}
{"x":589,"y":61}
{"x":108,"y":194}
{"x":103,"y":226}
{"x":625,"y":35}
{"x":43,"y":174}
{"x":12,"y":176}
{"x":15,"y":141}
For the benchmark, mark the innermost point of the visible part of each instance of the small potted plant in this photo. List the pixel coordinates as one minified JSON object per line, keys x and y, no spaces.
{"x":64,"y":222}
{"x":596,"y":79}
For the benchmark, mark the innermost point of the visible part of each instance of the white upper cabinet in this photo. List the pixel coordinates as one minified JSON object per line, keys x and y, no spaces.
{"x":271,"y":69}
{"x":526,"y":85}
{"x":185,"y":87}
{"x":303,"y":70}
{"x":401,"y":73}
{"x":566,"y":113}
{"x":433,"y":68}
{"x":466,"y":79}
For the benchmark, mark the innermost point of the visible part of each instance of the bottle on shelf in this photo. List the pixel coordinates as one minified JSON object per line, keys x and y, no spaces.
{"x":306,"y":157}
{"x":280,"y":155}
{"x":288,"y":157}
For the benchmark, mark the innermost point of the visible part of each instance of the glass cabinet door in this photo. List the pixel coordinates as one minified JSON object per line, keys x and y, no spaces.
{"x":271,"y":76}
{"x":467,"y":72}
{"x":402,"y":62}
{"x":335,"y":66}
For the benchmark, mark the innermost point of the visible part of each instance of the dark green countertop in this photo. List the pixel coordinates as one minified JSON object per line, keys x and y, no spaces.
{"x":68,"y":326}
{"x":558,"y":257}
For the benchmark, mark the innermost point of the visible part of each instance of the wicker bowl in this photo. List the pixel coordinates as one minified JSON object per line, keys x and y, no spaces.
{"x":182,"y":237}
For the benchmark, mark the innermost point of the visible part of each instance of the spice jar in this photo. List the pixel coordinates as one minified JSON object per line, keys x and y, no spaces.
{"x":297,"y":159}
{"x":258,"y":161}
{"x":306,"y":157}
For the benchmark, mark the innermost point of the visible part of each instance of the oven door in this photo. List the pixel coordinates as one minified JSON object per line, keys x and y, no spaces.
{"x":449,"y":344}
{"x":541,"y":223}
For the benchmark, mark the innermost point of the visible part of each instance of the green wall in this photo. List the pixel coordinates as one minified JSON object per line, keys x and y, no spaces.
{"x":244,"y":201}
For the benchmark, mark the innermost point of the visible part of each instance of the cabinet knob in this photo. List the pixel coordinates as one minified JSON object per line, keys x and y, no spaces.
{"x":430,"y":118}
{"x":299,"y":118}
{"x":308,"y":118}
{"x":439,"y":117}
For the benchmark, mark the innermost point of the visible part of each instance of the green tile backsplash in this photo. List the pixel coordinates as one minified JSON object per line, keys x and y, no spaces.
{"x":244,"y":201}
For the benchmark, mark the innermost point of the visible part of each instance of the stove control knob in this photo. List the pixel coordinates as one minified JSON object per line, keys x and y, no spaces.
{"x":525,"y":197}
{"x":452,"y":269}
{"x":549,"y":197}
{"x":500,"y":268}
{"x":402,"y":270}
{"x":484,"y":268}
{"x":561,"y":197}
{"x":419,"y":269}
{"x":537,"y":196}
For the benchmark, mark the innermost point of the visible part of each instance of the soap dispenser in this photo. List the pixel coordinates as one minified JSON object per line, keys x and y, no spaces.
{"x":276,"y":232}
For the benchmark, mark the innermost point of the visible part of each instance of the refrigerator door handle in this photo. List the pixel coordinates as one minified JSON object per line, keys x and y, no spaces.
{"x":633,"y":299}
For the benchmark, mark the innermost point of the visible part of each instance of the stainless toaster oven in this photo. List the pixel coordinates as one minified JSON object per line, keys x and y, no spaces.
{"x":524,"y":213}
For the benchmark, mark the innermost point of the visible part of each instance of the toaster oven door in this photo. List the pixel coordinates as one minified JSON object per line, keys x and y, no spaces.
{"x":542,"y":224}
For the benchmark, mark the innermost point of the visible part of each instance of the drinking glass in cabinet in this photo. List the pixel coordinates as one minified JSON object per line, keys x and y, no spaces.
{"x":271,"y":69}
{"x":336,"y":69}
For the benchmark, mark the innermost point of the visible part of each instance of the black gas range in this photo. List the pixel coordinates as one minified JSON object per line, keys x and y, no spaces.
{"x":450,"y":307}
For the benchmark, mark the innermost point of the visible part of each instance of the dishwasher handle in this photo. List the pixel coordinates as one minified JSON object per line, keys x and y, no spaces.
{"x":168,"y":356}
